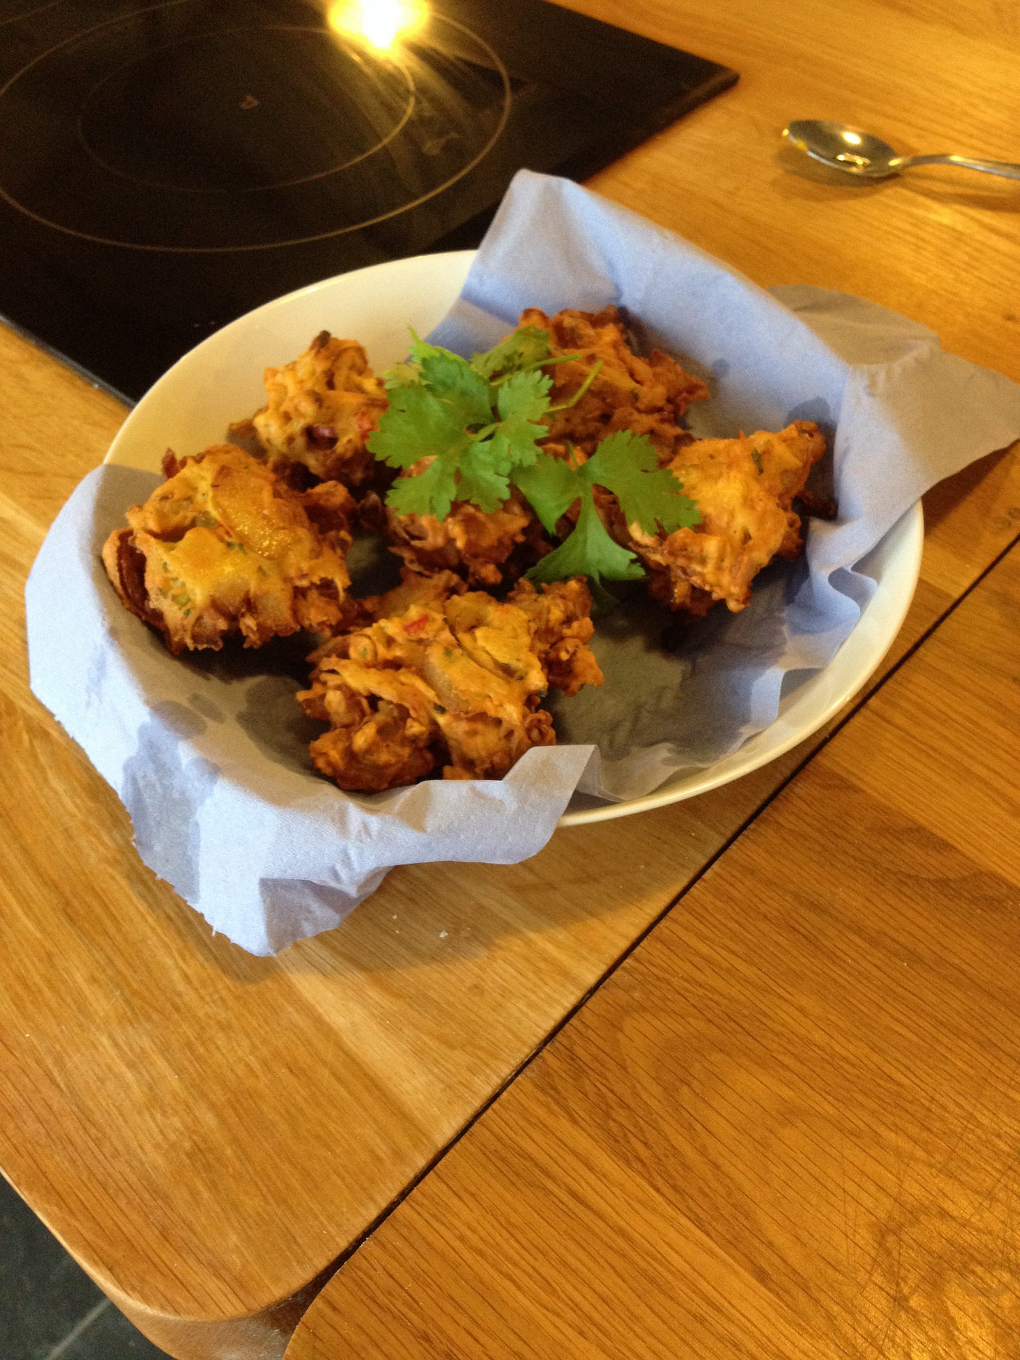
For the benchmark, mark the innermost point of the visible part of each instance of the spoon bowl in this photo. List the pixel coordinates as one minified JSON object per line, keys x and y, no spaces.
{"x":844,"y":148}
{"x":865,"y":156}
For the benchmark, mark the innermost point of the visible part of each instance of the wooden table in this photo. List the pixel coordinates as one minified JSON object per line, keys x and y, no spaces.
{"x":786,"y":1127}
{"x":785,"y":1124}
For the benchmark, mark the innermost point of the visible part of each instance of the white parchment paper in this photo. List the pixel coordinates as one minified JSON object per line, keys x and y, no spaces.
{"x":209,"y":754}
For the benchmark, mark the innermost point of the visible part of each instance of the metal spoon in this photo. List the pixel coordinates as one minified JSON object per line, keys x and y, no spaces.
{"x":861,"y":154}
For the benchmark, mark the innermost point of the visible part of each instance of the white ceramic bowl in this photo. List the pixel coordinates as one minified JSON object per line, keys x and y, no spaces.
{"x":220,"y":381}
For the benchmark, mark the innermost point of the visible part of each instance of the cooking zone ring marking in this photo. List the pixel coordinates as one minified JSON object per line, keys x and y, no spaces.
{"x":46,"y":220}
{"x":401,"y":122}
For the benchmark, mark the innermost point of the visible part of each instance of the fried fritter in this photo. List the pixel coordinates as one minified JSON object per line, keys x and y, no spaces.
{"x":453,"y":680}
{"x":478,"y":545}
{"x":561,"y":626}
{"x":744,"y":489}
{"x":413,"y":590}
{"x":224,"y":546}
{"x":646,"y":396}
{"x":321,"y":409}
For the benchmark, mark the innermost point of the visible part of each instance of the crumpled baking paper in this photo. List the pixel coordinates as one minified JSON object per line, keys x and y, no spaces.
{"x":209,"y":753}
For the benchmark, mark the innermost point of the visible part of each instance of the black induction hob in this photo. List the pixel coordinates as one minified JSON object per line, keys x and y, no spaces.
{"x":166,"y":167}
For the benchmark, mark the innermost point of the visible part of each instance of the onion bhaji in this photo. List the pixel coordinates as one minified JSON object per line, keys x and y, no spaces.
{"x":486,"y":548}
{"x":646,"y":396}
{"x":744,"y":489}
{"x":449,"y":678}
{"x":223,"y":546}
{"x":321,"y":409}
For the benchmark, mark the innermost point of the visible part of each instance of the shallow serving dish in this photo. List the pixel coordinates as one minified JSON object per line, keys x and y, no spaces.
{"x":220,"y":381}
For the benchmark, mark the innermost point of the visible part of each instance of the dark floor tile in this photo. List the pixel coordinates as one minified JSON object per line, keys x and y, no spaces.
{"x":111,"y":1337}
{"x":44,"y":1295}
{"x":43,"y":1292}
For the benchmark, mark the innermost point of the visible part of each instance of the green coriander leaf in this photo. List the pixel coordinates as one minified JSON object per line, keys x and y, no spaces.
{"x":513,"y":443}
{"x":588,"y":551}
{"x":519,"y":403}
{"x":452,"y":378}
{"x":524,"y":395}
{"x":482,"y":481}
{"x":552,"y":485}
{"x":478,"y":432}
{"x":418,"y":424}
{"x":649,"y":496}
{"x":431,"y":493}
{"x":619,"y":455}
{"x":527,"y":347}
{"x":441,"y":407}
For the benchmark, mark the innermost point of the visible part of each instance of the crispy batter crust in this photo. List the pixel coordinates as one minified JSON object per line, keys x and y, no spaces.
{"x":468,"y":541}
{"x":744,"y":489}
{"x":560,"y":618}
{"x":223,"y":546}
{"x":319,"y":412}
{"x":646,"y":396}
{"x":454,"y":679}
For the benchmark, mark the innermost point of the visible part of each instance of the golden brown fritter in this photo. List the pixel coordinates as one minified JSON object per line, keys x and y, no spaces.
{"x":479,"y":546}
{"x":413,"y":589}
{"x":561,"y":629}
{"x":744,"y":489}
{"x":453,"y":680}
{"x":321,"y":409}
{"x":224,"y":546}
{"x":646,"y":396}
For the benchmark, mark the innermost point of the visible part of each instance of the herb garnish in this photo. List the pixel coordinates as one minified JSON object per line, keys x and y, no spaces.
{"x":479,"y":423}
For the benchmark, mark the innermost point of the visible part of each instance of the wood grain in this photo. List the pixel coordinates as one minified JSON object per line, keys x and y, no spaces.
{"x":787,"y":1125}
{"x":917,"y":243}
{"x":205,"y":1131}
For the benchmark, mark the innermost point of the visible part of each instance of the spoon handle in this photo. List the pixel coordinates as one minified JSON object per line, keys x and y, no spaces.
{"x":1006,"y":168}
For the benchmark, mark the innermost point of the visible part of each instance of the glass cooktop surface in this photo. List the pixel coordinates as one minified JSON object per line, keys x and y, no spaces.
{"x":165,"y":168}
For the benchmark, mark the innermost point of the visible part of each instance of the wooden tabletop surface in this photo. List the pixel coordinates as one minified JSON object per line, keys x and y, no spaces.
{"x":783,"y":1126}
{"x":786,"y":1127}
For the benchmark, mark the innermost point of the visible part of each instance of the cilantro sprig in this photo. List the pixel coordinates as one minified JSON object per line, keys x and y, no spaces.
{"x":649,"y":496}
{"x":479,"y":423}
